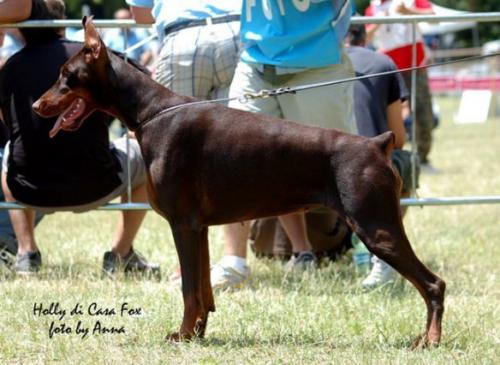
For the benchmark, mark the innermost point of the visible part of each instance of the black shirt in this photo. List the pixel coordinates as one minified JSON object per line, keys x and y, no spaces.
{"x":73,"y":168}
{"x":373,"y":95}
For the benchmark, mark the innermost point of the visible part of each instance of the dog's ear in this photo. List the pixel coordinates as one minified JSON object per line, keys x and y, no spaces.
{"x":92,"y":40}
{"x":386,"y":142}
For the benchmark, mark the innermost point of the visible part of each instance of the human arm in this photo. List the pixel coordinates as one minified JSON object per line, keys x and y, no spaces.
{"x":419,"y":7}
{"x":141,"y":11}
{"x":142,"y":15}
{"x":395,"y":122}
{"x":371,"y":29}
{"x":12,"y":11}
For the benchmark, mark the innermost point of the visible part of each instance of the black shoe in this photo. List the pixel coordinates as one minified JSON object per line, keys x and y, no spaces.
{"x":133,"y":262}
{"x":8,"y":249}
{"x":28,"y":263}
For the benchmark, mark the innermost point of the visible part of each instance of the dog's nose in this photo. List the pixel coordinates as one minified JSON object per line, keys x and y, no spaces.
{"x":38,"y":105}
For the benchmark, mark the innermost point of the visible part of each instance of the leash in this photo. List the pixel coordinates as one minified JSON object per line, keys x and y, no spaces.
{"x":265,"y":93}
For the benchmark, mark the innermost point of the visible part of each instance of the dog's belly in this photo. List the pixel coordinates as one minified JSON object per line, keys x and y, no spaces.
{"x":243,"y":209}
{"x":244,"y":196}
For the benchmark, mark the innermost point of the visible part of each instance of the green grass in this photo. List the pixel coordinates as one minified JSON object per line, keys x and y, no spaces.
{"x":322,"y":318}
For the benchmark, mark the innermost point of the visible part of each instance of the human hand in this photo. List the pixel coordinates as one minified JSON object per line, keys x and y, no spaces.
{"x":402,"y":9}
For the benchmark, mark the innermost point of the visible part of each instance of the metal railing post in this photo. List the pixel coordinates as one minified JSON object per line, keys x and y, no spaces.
{"x":413,"y":106}
{"x":127,"y":136}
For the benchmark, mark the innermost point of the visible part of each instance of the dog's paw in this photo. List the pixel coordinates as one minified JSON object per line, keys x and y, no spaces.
{"x":423,"y":341}
{"x":178,"y":337}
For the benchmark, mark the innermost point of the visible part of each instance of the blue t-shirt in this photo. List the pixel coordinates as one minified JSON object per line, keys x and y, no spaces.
{"x":170,"y":12}
{"x":294,"y":33}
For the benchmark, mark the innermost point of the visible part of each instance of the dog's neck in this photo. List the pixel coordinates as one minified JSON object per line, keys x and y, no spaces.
{"x":134,"y":96}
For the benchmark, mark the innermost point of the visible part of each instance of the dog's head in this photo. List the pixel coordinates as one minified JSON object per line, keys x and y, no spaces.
{"x":78,"y":91}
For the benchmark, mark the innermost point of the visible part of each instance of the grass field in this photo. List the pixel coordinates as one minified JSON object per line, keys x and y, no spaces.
{"x":319,"y":318}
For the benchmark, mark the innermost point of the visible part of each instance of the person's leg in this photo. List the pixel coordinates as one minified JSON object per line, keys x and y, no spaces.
{"x":129,"y":222}
{"x":232,"y":270}
{"x":303,"y":257}
{"x":425,"y":122}
{"x":327,"y":107}
{"x":7,"y":236}
{"x":236,"y":235}
{"x":246,"y":80}
{"x":23,"y":222}
{"x":28,"y":257}
{"x":423,"y":110}
{"x":122,"y":253}
{"x":295,"y":228}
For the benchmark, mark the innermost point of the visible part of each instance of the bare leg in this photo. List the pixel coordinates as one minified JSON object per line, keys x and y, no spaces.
{"x":23,"y":222}
{"x":295,"y":227}
{"x":236,"y":236}
{"x":129,"y":223}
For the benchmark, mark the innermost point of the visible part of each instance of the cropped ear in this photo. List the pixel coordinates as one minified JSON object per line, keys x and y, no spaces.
{"x":92,"y":40}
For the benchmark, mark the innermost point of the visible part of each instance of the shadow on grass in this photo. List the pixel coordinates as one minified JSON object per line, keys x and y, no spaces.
{"x":242,"y":342}
{"x":75,"y":271}
{"x":331,"y":279}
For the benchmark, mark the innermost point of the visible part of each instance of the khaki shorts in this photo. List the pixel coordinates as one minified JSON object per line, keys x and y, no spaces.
{"x":326,"y":107}
{"x":119,"y":149}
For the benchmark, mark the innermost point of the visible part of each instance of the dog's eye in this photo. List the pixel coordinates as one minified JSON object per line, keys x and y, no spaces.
{"x":64,"y":90}
{"x":71,"y":80}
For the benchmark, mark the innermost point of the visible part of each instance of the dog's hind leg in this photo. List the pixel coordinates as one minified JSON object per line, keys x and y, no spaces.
{"x":189,"y":246}
{"x":380,"y":227}
{"x":208,"y":304}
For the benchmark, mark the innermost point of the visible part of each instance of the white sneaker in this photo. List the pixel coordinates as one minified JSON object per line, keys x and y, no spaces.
{"x":427,"y":168}
{"x":381,"y":273}
{"x":226,"y":277}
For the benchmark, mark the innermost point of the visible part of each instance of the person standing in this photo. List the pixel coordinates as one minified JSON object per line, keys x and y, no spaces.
{"x":395,"y":40}
{"x":199,"y":50}
{"x":378,"y":106}
{"x":286,"y":44}
{"x":199,"y":43}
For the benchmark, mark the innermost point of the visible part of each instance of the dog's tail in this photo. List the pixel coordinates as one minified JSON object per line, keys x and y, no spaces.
{"x":386,"y":142}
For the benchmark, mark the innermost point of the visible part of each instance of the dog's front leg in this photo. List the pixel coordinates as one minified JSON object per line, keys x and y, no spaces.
{"x":208,"y":304}
{"x":189,"y":249}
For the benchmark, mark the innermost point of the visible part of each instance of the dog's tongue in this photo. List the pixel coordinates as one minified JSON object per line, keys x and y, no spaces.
{"x":68,"y":117}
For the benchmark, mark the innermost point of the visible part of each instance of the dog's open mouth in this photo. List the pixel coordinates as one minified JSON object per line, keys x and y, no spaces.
{"x":71,"y":118}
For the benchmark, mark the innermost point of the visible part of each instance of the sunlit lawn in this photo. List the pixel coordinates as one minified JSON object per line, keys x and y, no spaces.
{"x":323,"y":318}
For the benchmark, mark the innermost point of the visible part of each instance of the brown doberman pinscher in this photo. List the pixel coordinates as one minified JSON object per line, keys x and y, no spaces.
{"x":208,"y":165}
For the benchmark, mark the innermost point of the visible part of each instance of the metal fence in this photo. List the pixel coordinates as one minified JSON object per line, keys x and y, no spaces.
{"x":413,"y":20}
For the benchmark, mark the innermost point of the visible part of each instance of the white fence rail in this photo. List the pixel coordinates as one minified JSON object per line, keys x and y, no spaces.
{"x":414,"y":20}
